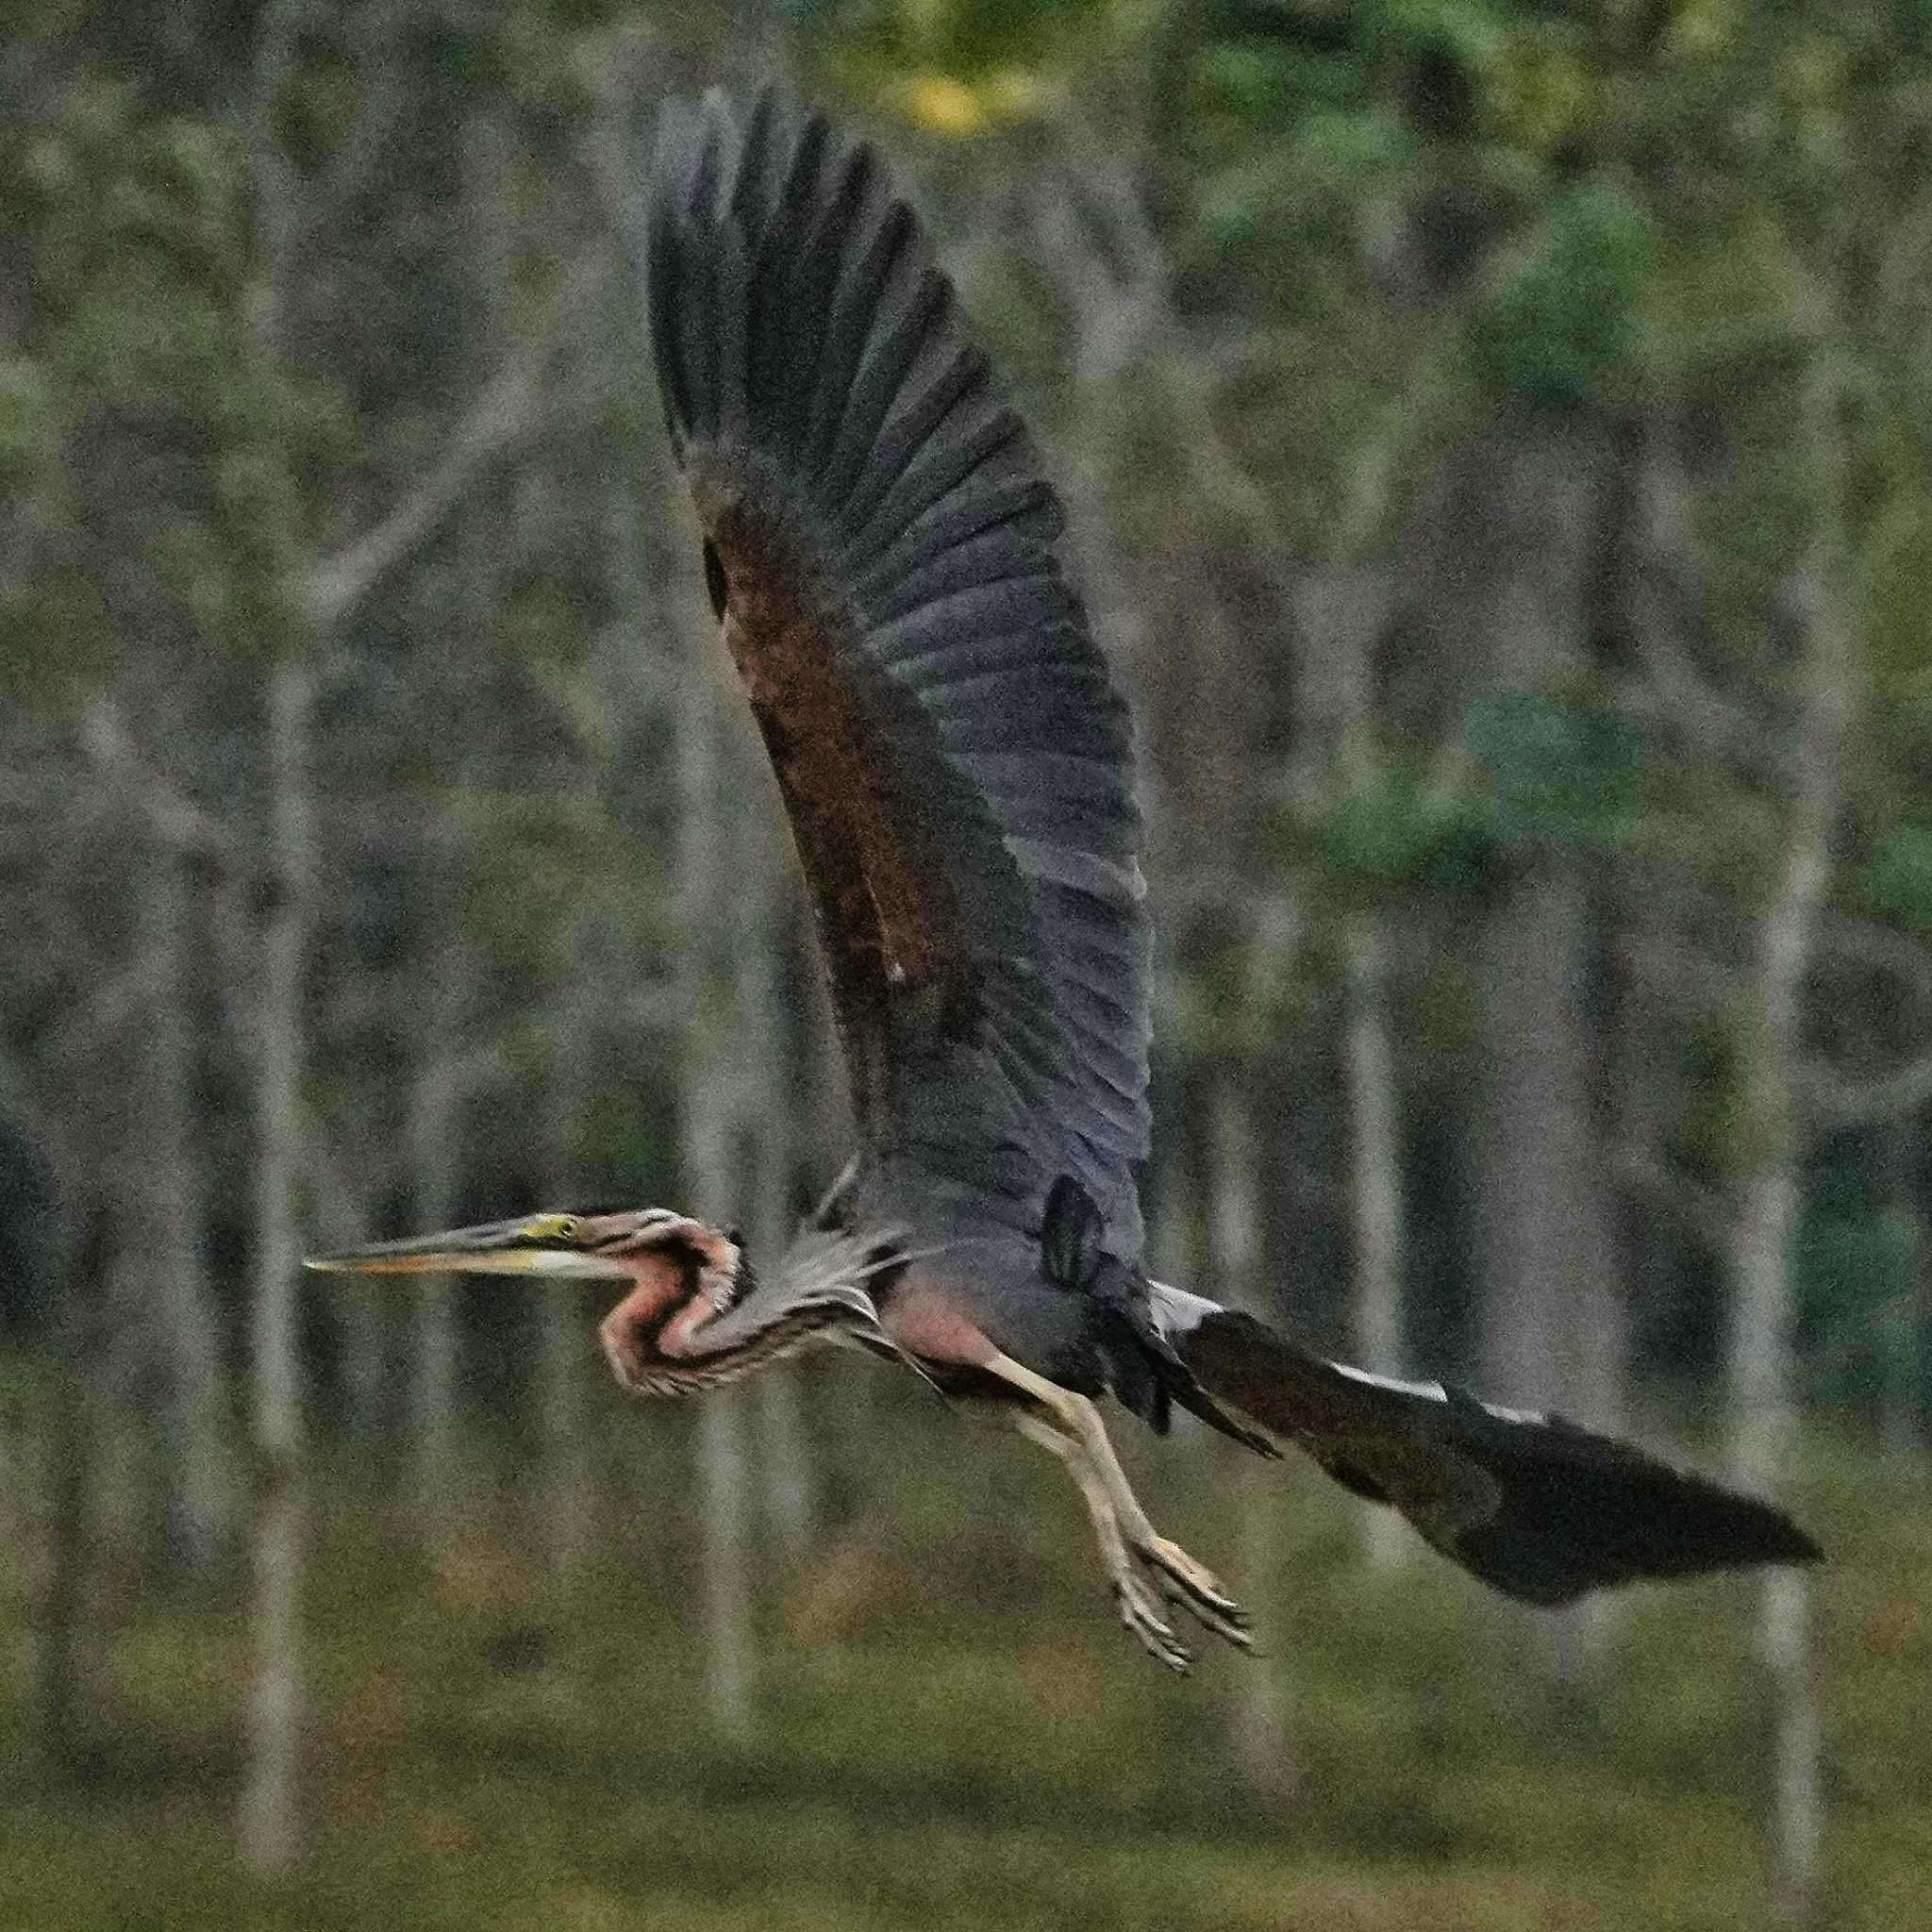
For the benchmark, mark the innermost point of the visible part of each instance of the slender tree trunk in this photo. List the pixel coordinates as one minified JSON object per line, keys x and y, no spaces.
{"x":436,"y":1172}
{"x":436,"y":1148}
{"x":1764,"y":1425}
{"x":566,"y":1353}
{"x":1770,"y":1042}
{"x":270,"y":1829}
{"x":70,"y":1641}
{"x":765,"y":1002}
{"x":709,"y":1120}
{"x":196,"y":1471}
{"x":269,"y":1822}
{"x":1344,"y":607}
{"x":1262,"y":1740}
{"x":1552,"y":1339}
{"x":1374,"y":1193}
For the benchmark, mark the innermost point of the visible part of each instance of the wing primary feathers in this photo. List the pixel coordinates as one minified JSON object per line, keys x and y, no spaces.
{"x":663,"y":276}
{"x":895,"y":577}
{"x":909,"y":436}
{"x":713,"y":319}
{"x":795,"y":283}
{"x":848,"y":328}
{"x":775,"y":150}
{"x":1535,"y":1505}
{"x":954,"y":759}
{"x":733,"y":301}
{"x":940,"y":468}
{"x":750,"y":193}
{"x":926,"y":306}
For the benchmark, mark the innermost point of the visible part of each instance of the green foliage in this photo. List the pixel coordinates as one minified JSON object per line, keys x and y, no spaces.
{"x":1389,"y":834}
{"x":1285,"y":195}
{"x":1562,"y":328}
{"x":157,"y":432}
{"x":1721,"y":300}
{"x":952,"y":67}
{"x":1559,"y":773}
{"x":26,"y":417}
{"x":1855,"y":1272}
{"x":1896,"y":880}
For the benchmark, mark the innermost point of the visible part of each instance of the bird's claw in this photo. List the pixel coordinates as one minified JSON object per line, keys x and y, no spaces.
{"x":1141,"y":1613}
{"x":1159,"y":1572}
{"x":1198,"y":1591}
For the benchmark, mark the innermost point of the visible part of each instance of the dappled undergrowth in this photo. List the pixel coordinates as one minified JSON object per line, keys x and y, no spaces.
{"x":953,"y":1733}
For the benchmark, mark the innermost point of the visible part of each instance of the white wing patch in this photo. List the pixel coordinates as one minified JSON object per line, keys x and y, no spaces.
{"x":1176,"y":1312}
{"x":1427,"y":1391}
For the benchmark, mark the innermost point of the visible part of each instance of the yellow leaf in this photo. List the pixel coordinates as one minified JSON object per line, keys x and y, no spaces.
{"x":942,"y":105}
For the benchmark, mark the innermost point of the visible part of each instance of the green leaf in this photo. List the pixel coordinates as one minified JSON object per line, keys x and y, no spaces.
{"x":1559,"y":774}
{"x":1896,"y":881}
{"x":1566,"y":324}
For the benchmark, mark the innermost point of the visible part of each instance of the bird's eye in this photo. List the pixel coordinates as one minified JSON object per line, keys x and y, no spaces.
{"x":548,"y":1228}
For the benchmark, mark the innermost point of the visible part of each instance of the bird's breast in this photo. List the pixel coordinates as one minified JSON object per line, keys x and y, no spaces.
{"x":928,"y":1316}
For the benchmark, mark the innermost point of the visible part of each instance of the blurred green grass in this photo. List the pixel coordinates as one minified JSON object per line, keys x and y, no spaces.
{"x":954,"y":1734}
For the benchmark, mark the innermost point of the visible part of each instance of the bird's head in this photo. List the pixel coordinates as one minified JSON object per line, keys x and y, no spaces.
{"x":625,"y":1246}
{"x":680,"y":1272}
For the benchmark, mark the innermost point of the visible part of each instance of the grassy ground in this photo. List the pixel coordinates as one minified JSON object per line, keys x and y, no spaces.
{"x":953,"y":1734}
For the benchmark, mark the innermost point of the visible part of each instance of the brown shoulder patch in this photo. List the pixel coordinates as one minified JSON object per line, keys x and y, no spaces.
{"x":885,"y":915}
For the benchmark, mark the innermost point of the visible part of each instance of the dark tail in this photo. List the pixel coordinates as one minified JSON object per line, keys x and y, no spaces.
{"x":1535,"y":1505}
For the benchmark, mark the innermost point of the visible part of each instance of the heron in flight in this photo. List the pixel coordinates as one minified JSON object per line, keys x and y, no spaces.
{"x":881,"y":553}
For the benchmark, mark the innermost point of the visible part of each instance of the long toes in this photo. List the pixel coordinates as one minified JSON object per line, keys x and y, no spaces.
{"x":1231,"y":1625}
{"x":1199,"y":1591}
{"x":1142,"y":1615}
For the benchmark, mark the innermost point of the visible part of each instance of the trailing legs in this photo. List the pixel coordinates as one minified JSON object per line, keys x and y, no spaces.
{"x":1146,"y":1570}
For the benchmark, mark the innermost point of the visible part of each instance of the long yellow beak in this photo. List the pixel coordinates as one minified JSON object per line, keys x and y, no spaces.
{"x":496,"y":1248}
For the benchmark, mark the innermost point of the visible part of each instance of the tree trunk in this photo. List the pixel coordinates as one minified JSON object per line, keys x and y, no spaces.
{"x":709,"y":874}
{"x":70,"y":1653}
{"x":1374,"y":1193}
{"x":566,"y":1354}
{"x":195,"y":1470}
{"x":270,"y":1829}
{"x":477,"y":166}
{"x":1554,"y":1335}
{"x":269,"y":1822}
{"x":1262,"y":1740}
{"x":1770,"y":1044}
{"x":772,"y":1153}
{"x":1343,"y":610}
{"x":436,"y":1185}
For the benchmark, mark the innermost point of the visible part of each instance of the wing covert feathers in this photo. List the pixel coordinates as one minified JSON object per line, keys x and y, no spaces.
{"x":1533,"y":1505}
{"x":954,"y":756}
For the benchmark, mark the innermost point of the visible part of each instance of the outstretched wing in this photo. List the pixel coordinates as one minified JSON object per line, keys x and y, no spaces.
{"x":879,"y":546}
{"x":1537,"y":1506}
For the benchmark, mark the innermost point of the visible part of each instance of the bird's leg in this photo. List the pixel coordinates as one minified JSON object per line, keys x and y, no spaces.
{"x":1140,"y":1607}
{"x":1135,"y":1554}
{"x":1183,"y":1580}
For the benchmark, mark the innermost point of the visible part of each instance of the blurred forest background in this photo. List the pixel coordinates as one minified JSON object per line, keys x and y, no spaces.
{"x":1499,"y":438}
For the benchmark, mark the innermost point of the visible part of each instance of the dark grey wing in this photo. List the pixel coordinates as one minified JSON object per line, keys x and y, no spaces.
{"x":953,"y":757}
{"x":1537,"y":1506}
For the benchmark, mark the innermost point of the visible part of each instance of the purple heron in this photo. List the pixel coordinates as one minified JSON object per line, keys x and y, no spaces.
{"x":881,"y":553}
